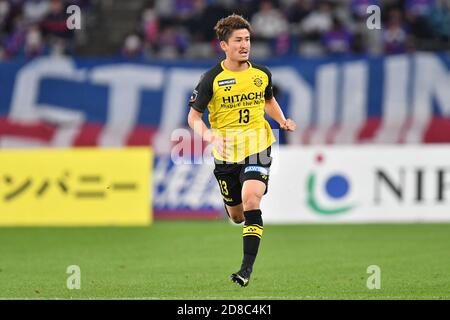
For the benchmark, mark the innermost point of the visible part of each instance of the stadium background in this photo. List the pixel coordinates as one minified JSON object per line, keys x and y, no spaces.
{"x":372,"y":107}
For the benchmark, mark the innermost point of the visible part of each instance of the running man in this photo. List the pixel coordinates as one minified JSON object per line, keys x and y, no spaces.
{"x":237,"y":94}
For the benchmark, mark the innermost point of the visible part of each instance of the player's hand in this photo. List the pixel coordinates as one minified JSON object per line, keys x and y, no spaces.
{"x":222,"y":145}
{"x":288,"y":125}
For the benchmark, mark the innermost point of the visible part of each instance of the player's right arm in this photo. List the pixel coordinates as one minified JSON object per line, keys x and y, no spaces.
{"x":198,"y":103}
{"x":197,"y":124}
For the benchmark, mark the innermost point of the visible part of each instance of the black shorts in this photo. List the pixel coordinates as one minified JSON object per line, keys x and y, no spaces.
{"x":231,"y":176}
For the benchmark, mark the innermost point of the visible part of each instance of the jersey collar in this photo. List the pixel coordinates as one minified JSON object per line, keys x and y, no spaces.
{"x":223,"y":67}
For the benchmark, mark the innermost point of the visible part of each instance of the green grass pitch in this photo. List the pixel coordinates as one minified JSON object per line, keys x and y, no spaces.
{"x":193,"y":260}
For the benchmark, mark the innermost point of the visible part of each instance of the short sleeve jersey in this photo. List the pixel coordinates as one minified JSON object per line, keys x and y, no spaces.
{"x":236,"y":101}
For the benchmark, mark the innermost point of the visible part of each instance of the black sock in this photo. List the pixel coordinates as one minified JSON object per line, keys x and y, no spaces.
{"x":252,"y":233}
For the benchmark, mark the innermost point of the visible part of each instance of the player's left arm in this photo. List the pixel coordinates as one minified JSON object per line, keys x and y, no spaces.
{"x":273,"y":109}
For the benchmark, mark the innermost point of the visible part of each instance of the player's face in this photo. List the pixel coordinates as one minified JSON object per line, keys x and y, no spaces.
{"x":238,"y":46}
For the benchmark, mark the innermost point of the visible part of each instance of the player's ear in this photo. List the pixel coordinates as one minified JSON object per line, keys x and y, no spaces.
{"x":223,"y":45}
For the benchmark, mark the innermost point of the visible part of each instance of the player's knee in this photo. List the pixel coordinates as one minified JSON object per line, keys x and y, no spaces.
{"x":252,"y":202}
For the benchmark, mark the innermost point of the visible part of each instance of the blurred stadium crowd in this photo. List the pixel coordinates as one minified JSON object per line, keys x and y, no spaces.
{"x":172,"y":29}
{"x":30,"y":28}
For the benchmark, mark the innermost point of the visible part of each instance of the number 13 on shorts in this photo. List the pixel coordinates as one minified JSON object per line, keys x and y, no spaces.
{"x":223,"y":187}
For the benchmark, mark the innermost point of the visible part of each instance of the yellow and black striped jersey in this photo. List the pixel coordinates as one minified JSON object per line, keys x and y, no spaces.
{"x":236,"y":101}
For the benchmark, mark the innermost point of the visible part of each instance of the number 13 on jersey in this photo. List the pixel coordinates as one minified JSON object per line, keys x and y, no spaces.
{"x":244,"y":116}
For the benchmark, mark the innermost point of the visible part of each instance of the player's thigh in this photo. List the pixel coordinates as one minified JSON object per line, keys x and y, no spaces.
{"x":229,"y":185}
{"x":253,"y":191}
{"x":257,"y":177}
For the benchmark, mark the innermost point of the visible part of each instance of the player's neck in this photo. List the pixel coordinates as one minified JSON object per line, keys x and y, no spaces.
{"x":236,"y":66}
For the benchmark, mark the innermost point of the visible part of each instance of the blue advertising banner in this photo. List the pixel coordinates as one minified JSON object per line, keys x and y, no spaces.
{"x":66,"y":102}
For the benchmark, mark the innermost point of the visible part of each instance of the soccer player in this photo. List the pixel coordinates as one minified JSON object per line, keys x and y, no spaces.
{"x":237,"y":94}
